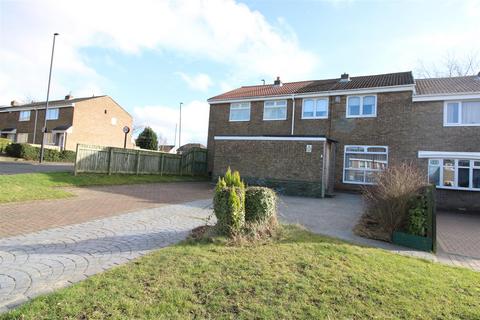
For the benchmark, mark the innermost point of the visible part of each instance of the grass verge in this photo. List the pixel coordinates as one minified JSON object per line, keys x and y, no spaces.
{"x":298,"y":275}
{"x":37,"y":186}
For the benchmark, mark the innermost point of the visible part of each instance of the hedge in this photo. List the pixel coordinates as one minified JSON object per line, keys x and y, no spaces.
{"x":229,"y":208}
{"x":3,"y":144}
{"x":28,"y":152}
{"x":260,"y":204}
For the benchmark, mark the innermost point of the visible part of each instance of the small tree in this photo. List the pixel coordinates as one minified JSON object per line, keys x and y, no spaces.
{"x":147,"y":139}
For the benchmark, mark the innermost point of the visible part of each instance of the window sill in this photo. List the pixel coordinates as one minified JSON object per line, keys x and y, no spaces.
{"x":274,"y":119}
{"x":458,"y":189}
{"x":314,"y":118}
{"x":238,"y":120}
{"x":461,"y":125}
{"x":353,"y":117}
{"x":358,"y":183}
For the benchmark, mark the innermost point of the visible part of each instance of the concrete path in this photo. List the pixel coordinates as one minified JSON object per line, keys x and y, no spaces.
{"x":458,"y":236}
{"x":95,"y":203}
{"x":15,"y":167}
{"x":41,"y":262}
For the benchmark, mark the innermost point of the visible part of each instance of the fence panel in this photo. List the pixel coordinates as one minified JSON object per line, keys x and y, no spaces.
{"x":96,"y":159}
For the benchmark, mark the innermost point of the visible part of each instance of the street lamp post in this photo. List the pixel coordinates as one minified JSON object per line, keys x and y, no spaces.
{"x":180,"y":127}
{"x":42,"y":148}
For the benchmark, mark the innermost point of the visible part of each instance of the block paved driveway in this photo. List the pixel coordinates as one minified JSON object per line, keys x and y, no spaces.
{"x":59,"y":242}
{"x":93,"y":203}
{"x":15,"y":167}
{"x":458,"y":235}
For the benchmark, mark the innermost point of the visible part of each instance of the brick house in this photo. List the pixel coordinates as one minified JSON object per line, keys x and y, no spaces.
{"x":312,"y":137}
{"x":91,"y":120}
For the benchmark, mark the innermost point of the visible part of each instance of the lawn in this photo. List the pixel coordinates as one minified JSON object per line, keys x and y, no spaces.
{"x":299,"y":275}
{"x":37,"y":186}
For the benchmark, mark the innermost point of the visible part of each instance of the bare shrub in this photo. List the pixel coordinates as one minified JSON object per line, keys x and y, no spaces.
{"x":387,"y":202}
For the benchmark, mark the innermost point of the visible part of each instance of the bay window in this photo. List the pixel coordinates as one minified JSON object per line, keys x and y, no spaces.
{"x":275,"y":110}
{"x":461,"y":113}
{"x":462,"y":174}
{"x":361,"y":163}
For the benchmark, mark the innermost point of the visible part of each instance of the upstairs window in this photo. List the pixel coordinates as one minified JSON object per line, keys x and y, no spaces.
{"x":462,"y":174}
{"x":275,"y":110}
{"x":24,"y":116}
{"x":361,"y":106}
{"x":315,"y":108}
{"x":52,"y":114}
{"x":462,"y":113}
{"x":362,"y":162}
{"x":240,"y":111}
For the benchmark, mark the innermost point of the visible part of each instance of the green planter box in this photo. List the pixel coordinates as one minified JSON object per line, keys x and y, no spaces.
{"x":412,"y":241}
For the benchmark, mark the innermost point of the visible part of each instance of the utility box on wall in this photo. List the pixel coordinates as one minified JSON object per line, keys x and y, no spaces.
{"x":308,"y":148}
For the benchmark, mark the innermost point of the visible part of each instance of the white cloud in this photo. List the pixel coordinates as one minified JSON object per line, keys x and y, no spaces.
{"x":164,"y":118}
{"x":222,"y":31}
{"x":199,"y":81}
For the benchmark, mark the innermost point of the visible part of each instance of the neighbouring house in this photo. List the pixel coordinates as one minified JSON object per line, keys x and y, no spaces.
{"x":311,"y":137}
{"x":189,"y":146}
{"x":91,"y":120}
{"x":165,"y":147}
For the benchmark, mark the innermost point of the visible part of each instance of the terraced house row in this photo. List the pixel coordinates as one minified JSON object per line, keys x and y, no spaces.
{"x":90,"y":120}
{"x":312,"y":137}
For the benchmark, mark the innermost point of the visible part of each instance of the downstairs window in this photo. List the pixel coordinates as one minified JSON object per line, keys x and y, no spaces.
{"x":362,"y":162}
{"x":460,"y":174}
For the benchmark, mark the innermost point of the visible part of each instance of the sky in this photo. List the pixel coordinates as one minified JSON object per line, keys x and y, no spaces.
{"x":150,"y":55}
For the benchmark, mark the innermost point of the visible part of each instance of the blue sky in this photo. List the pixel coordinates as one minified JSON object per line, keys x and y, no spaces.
{"x":150,"y":55}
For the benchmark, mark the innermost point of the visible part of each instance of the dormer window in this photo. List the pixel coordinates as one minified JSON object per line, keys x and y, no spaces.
{"x":361,"y":106}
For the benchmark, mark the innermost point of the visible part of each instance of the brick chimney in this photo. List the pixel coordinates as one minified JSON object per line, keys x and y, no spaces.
{"x":277,"y":82}
{"x":14,"y":103}
{"x":68,"y":97}
{"x":345,"y":77}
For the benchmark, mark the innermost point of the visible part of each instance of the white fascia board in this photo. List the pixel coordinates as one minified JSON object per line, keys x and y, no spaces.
{"x":409,"y":87}
{"x":446,"y":97}
{"x":448,"y":154}
{"x":263,"y":138}
{"x":42,"y":107}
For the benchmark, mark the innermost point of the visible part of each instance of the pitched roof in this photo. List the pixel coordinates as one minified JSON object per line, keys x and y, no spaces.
{"x":362,"y":82}
{"x":52,"y":103}
{"x":447,"y":85}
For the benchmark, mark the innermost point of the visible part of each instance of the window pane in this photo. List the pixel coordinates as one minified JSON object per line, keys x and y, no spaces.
{"x":355,"y":149}
{"x":269,"y":103}
{"x":449,"y":173}
{"x":238,"y":115}
{"x":476,"y":163}
{"x":463,"y":177}
{"x":476,"y":178}
{"x":354,"y":176}
{"x":322,"y":108}
{"x":369,"y":105}
{"x":377,"y":149}
{"x":464,"y":163}
{"x":471,"y":112}
{"x":52,"y":114}
{"x":354,"y":106}
{"x":434,"y":162}
{"x":370,"y":176}
{"x":308,"y":108}
{"x":452,"y":112}
{"x":281,"y":103}
{"x":434,"y":175}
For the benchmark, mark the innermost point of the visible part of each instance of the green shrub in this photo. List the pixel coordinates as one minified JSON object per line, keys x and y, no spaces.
{"x":260,"y":204}
{"x":229,"y":209}
{"x":3,"y":144}
{"x":229,"y":203}
{"x":28,"y":152}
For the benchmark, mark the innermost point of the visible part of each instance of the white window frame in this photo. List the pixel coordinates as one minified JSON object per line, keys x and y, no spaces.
{"x":459,"y":124}
{"x":361,"y":169}
{"x":238,"y":106}
{"x":51,"y":110}
{"x":275,"y":107}
{"x":20,"y":118}
{"x":315,"y":108}
{"x":361,"y":115}
{"x":455,"y":167}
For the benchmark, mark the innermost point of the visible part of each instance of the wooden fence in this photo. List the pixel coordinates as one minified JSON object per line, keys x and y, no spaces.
{"x":110,"y":160}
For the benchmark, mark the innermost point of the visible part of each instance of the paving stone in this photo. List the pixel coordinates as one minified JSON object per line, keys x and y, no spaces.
{"x":40,"y":262}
